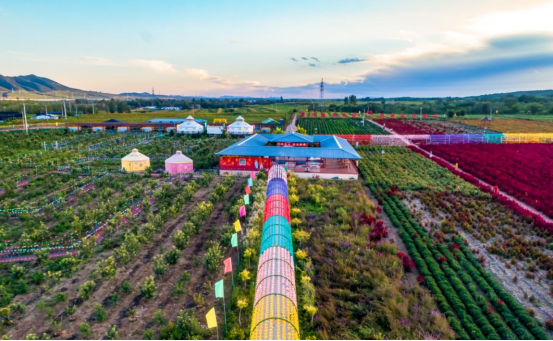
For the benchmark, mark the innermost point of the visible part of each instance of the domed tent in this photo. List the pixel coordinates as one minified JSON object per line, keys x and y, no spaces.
{"x":240,"y":127}
{"x":179,"y":163}
{"x":135,"y":162}
{"x":190,"y":127}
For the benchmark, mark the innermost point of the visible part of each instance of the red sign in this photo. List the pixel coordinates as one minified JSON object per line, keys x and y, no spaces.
{"x":344,"y":114}
{"x":435,"y":115}
{"x":381,"y":115}
{"x":402,"y":115}
{"x":413,"y":115}
{"x":424,"y":115}
{"x":302,"y":114}
{"x":354,"y":115}
{"x":392,"y":115}
{"x":313,"y":114}
{"x":323,"y":114}
{"x":291,"y":144}
{"x":334,"y":114}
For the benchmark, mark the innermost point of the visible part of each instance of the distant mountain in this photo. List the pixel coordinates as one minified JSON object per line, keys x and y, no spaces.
{"x":30,"y":83}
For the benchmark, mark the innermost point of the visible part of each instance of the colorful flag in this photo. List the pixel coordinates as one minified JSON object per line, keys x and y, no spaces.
{"x":237,"y":226}
{"x":252,"y":175}
{"x":248,"y":190}
{"x":242,"y":211}
{"x":234,"y":240}
{"x":220,"y":288}
{"x":256,"y":165}
{"x":228,"y":265}
{"x":247,"y":199}
{"x":250,"y":182}
{"x":211,"y":319}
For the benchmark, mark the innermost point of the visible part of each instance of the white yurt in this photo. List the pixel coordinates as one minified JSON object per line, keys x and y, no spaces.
{"x":240,"y":127}
{"x":190,"y":127}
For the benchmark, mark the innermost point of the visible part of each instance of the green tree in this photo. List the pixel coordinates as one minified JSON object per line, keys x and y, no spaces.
{"x":149,"y":288}
{"x":112,"y":333}
{"x":107,"y":267}
{"x":159,"y":266}
{"x":180,"y":239}
{"x":85,"y":331}
{"x":213,"y":257}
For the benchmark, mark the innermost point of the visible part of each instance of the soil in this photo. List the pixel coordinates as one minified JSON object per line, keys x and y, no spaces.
{"x":496,"y":266}
{"x":34,"y":321}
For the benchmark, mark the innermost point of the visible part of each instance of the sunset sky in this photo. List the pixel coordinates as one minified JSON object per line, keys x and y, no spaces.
{"x":282,"y":48}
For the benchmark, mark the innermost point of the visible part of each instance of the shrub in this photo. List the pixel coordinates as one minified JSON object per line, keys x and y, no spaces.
{"x":149,"y":288}
{"x":112,"y":333}
{"x":99,"y":312}
{"x":84,"y":330}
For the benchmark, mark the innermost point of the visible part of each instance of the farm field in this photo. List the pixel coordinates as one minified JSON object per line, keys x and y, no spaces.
{"x":521,"y":170}
{"x":254,"y":114}
{"x":473,"y":253}
{"x":429,"y":127}
{"x":339,"y":126}
{"x":504,"y":125}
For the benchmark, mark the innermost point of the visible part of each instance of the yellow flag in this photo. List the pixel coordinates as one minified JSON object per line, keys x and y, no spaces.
{"x":211,"y":319}
{"x":456,"y":165}
{"x":237,"y":226}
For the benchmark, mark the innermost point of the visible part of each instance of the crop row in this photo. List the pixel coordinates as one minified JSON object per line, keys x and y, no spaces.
{"x":474,"y":303}
{"x":339,"y":126}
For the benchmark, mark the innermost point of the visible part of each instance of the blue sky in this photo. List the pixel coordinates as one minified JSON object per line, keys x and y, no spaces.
{"x":282,"y":48}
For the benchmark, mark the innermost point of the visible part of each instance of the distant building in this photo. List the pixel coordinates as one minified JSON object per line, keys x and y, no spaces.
{"x":175,"y":120}
{"x":171,"y":108}
{"x":240,"y":127}
{"x":45,"y":117}
{"x":190,"y":126}
{"x":10,"y":115}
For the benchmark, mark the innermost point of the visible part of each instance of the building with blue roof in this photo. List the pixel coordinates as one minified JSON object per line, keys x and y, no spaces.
{"x":309,"y":156}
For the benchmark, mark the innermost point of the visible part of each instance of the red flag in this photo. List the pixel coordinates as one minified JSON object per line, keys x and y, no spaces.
{"x":228,"y":265}
{"x":392,"y":115}
{"x":248,"y":191}
{"x":413,"y":116}
{"x":424,"y":116}
{"x":381,"y":115}
{"x":402,"y":115}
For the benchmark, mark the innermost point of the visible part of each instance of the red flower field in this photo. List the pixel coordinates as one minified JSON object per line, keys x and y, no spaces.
{"x":404,"y":127}
{"x":524,"y":171}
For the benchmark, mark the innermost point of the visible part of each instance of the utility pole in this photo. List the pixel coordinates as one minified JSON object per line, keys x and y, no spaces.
{"x":92,"y":107}
{"x":420,"y":119}
{"x":64,"y":110}
{"x":25,"y":119}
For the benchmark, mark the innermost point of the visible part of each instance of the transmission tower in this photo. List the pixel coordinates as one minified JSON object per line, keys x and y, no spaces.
{"x":321,"y":95}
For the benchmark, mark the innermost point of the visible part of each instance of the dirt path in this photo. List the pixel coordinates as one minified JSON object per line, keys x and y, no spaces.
{"x":393,"y":236}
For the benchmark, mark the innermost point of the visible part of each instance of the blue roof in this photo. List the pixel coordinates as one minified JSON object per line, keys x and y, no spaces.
{"x":175,"y":120}
{"x":332,"y":147}
{"x":293,"y":137}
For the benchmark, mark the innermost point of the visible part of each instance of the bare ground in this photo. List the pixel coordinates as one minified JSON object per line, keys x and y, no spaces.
{"x":34,"y":321}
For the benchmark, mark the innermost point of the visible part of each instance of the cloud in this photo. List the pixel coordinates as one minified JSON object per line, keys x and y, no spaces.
{"x":293,"y":59}
{"x":304,"y":58}
{"x":158,"y":66}
{"x":99,"y":61}
{"x":498,"y":60}
{"x":312,"y":65}
{"x":350,"y":60}
{"x":315,"y":59}
{"x":203,"y":75}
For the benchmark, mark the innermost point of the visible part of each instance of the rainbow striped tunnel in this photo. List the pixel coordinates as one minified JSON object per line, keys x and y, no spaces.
{"x":275,"y":312}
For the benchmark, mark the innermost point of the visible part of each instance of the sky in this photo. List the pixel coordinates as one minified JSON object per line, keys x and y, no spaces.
{"x":375,"y":48}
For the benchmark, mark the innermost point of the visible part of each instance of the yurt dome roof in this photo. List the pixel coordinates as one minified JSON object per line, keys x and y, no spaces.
{"x":135,"y":155}
{"x":179,"y":157}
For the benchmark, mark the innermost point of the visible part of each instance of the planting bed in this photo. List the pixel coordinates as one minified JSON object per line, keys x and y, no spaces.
{"x":351,"y":270}
{"x":428,"y":127}
{"x":513,"y":125}
{"x":425,"y":202}
{"x":339,"y":126}
{"x":521,"y":170}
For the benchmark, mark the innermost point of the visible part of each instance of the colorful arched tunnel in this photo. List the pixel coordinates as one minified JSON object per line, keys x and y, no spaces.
{"x":275,"y":313}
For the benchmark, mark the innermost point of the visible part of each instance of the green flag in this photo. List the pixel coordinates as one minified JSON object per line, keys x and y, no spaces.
{"x":234,"y":240}
{"x":247,"y":199}
{"x":219,"y":290}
